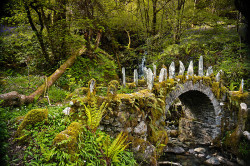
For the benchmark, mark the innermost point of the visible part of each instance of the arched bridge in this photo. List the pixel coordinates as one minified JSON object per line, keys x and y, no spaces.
{"x":202,"y":115}
{"x":142,"y":114}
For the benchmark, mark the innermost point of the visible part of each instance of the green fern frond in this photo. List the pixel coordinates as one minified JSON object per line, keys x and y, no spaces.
{"x":94,"y":115}
{"x":117,"y":146}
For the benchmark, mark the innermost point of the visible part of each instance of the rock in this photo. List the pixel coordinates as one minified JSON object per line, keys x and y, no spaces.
{"x":154,"y":70}
{"x":71,"y":135}
{"x":217,"y":77}
{"x":191,"y":151}
{"x":182,"y":69}
{"x":150,"y":79}
{"x":161,"y":75}
{"x":141,"y":128}
{"x":243,"y":106}
{"x":171,"y":70}
{"x":165,"y":74}
{"x":225,"y":161}
{"x":135,"y":77}
{"x":122,"y":116}
{"x":129,"y":129}
{"x":173,"y":133}
{"x":117,"y":124}
{"x":200,"y":71}
{"x":208,"y":156}
{"x":247,"y":135}
{"x":31,"y":118}
{"x":241,"y":86}
{"x":240,"y":161}
{"x":143,"y":150}
{"x":190,"y":71}
{"x":200,"y":150}
{"x":123,"y":77}
{"x":209,"y":71}
{"x":174,"y":149}
{"x":92,"y":85}
{"x":201,"y":155}
{"x":212,"y":161}
{"x":66,"y":111}
{"x":108,"y":129}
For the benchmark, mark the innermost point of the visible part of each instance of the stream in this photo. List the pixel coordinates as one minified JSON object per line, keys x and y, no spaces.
{"x":182,"y":154}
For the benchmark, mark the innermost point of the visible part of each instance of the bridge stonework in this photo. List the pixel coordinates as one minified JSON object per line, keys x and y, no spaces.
{"x":202,"y":121}
{"x":142,"y":114}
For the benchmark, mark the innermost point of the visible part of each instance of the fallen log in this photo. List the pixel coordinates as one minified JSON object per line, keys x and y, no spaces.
{"x":15,"y":99}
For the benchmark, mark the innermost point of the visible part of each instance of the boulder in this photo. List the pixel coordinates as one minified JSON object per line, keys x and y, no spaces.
{"x":212,"y":161}
{"x":200,"y":150}
{"x":31,"y":118}
{"x":174,"y":149}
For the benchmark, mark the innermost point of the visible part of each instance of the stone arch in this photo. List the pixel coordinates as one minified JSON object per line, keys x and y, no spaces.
{"x":210,"y":121}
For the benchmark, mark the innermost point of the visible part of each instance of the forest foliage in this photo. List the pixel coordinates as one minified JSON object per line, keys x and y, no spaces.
{"x":37,"y":36}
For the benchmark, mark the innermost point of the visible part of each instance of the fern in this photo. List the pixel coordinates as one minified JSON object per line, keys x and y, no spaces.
{"x":94,"y":115}
{"x":113,"y":150}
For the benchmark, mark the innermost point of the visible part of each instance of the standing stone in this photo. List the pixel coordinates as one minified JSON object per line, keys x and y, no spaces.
{"x":172,"y":71}
{"x":209,"y":71}
{"x":200,"y":71}
{"x":92,"y":85}
{"x":123,"y":77}
{"x":150,"y":79}
{"x":161,"y":76}
{"x":145,"y":73}
{"x":190,"y":71}
{"x":154,"y":70}
{"x":217,"y":78}
{"x":165,"y":74}
{"x":182,"y":69}
{"x":135,"y":76}
{"x":241,"y":86}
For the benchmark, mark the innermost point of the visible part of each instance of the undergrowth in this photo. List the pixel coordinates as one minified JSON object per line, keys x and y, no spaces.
{"x":39,"y":149}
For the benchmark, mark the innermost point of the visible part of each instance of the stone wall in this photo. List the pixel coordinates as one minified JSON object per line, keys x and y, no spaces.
{"x":140,"y":114}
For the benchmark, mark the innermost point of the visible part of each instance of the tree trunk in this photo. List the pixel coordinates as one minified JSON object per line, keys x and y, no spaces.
{"x":154,"y":17}
{"x":16,"y":99}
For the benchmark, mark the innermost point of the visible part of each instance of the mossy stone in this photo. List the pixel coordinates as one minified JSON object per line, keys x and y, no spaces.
{"x":31,"y":118}
{"x":207,"y":81}
{"x":142,"y":82}
{"x":196,"y":79}
{"x":216,"y":89}
{"x":69,"y":135}
{"x":131,"y":85}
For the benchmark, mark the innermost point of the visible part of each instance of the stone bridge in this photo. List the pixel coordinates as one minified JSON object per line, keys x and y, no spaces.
{"x":143,"y":113}
{"x":202,"y":115}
